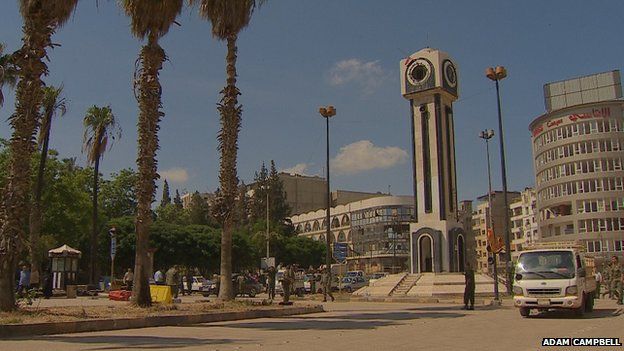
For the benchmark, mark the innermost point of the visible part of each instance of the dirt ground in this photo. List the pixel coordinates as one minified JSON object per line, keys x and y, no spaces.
{"x":36,"y":314}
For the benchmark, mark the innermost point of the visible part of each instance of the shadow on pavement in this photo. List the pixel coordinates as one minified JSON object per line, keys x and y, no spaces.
{"x":118,"y":342}
{"x":561,"y":314}
{"x":344,"y":322}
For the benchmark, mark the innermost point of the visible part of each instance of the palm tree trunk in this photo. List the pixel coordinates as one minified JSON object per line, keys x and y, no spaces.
{"x":24,"y":122}
{"x":36,"y":217}
{"x":152,"y":56}
{"x":94,"y":220}
{"x":228,"y":143}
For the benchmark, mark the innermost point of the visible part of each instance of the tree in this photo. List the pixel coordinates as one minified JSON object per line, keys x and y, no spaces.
{"x":8,"y":72}
{"x":149,"y":19}
{"x":260,"y":189}
{"x":100,"y":125}
{"x":118,"y":194}
{"x":177,"y":200}
{"x":241,"y":208}
{"x":198,"y":210}
{"x":228,"y":18}
{"x":166,"y":198}
{"x":172,"y":214}
{"x":41,"y":19}
{"x":280,"y":210}
{"x":53,"y":104}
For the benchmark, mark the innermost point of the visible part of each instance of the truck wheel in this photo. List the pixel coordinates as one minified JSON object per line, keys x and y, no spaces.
{"x":252,"y":292}
{"x":525,"y":311}
{"x":300,"y":292}
{"x":349,"y":289}
{"x":581,"y":309}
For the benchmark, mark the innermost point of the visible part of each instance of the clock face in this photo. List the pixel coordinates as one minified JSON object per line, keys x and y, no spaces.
{"x":450,"y":74}
{"x":418,"y":72}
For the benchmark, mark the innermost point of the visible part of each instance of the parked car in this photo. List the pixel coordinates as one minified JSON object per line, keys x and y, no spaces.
{"x":351,"y":284}
{"x":251,"y":288}
{"x":355,"y":274}
{"x":298,"y":286}
{"x":197,"y":284}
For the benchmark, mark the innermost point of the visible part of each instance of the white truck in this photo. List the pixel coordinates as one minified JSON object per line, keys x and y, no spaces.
{"x":554,"y":276}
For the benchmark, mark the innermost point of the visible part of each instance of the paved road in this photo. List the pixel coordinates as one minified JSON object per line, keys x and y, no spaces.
{"x":357,"y":326}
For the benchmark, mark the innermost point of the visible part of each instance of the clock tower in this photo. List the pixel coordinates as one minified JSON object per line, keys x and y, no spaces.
{"x":429,"y":81}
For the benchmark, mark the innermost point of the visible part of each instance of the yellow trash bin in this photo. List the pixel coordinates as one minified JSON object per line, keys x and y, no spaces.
{"x":161,"y":293}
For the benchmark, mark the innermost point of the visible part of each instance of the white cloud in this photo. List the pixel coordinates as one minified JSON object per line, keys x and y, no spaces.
{"x":299,"y":168}
{"x":368,"y":76}
{"x":363,"y":156}
{"x":174,"y":175}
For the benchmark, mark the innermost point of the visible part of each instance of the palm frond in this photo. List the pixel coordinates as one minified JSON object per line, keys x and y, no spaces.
{"x":100,"y":124}
{"x":151,"y":17}
{"x":228,"y":17}
{"x":59,"y":11}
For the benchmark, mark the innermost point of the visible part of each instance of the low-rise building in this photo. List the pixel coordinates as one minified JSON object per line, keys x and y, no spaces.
{"x":375,"y":230}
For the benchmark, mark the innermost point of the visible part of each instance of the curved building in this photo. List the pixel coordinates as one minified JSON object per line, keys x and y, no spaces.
{"x":578,"y":152}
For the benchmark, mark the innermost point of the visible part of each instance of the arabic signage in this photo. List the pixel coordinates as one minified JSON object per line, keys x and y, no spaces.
{"x":602,"y":112}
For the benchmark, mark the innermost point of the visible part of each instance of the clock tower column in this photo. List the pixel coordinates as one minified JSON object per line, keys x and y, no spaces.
{"x":429,"y":82}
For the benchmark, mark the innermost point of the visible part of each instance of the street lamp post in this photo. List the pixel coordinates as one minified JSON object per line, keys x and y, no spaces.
{"x":497,"y":74}
{"x":489,"y":223}
{"x":113,"y":250}
{"x":327,"y":113}
{"x":267,"y":224}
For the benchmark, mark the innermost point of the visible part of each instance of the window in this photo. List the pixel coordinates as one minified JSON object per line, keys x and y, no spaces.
{"x":618,"y":245}
{"x":594,"y":246}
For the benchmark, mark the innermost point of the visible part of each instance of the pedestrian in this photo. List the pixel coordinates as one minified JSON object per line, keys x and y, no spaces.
{"x":469,"y":290}
{"x":271,"y":272}
{"x":189,"y":280}
{"x":24,"y":280}
{"x":326,"y":282}
{"x":598,"y":277}
{"x":181,"y":275}
{"x":46,"y":283}
{"x":159,"y":277}
{"x":240,"y":284}
{"x":128,"y":278}
{"x":605,"y":279}
{"x":35,"y":279}
{"x":172,"y":279}
{"x":217,"y":283}
{"x":288,"y":279}
{"x":615,"y":276}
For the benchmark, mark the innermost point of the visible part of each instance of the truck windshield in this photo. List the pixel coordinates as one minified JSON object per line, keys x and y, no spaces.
{"x":546,"y":265}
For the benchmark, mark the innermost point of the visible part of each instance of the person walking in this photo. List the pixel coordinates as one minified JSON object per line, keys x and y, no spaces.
{"x":615,"y":280}
{"x":172,"y":279}
{"x":287,"y":283}
{"x":46,"y":283}
{"x":598,"y":277}
{"x":240,"y":283}
{"x":271,"y":272}
{"x":469,"y":290}
{"x":189,"y":280}
{"x":159,"y":277}
{"x":326,"y":282}
{"x":128,"y":278}
{"x":24,"y":280}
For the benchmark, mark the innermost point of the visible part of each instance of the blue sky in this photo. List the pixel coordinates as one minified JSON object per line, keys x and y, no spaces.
{"x":298,"y":55}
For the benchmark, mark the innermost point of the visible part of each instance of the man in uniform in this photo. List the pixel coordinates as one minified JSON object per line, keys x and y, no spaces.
{"x":240,"y":281}
{"x":469,"y":290}
{"x":172,"y":279}
{"x":271,"y":282}
{"x":287,"y":282}
{"x":615,"y":280}
{"x":326,"y":281}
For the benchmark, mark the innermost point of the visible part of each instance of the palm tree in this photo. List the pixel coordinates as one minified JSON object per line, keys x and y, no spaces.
{"x":100,"y":125}
{"x":8,"y":72}
{"x":228,"y":18}
{"x":53,"y":104}
{"x":150,"y":19}
{"x":41,"y":19}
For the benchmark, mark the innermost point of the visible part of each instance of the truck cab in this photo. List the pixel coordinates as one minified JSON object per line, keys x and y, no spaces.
{"x":553,"y":278}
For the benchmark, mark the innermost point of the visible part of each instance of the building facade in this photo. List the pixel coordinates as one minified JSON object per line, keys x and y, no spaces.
{"x":376,"y":231}
{"x":524,"y":229}
{"x":481,"y":223}
{"x":578,"y":155}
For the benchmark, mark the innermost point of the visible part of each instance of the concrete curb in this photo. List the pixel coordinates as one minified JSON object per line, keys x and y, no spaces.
{"x":21,"y":330}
